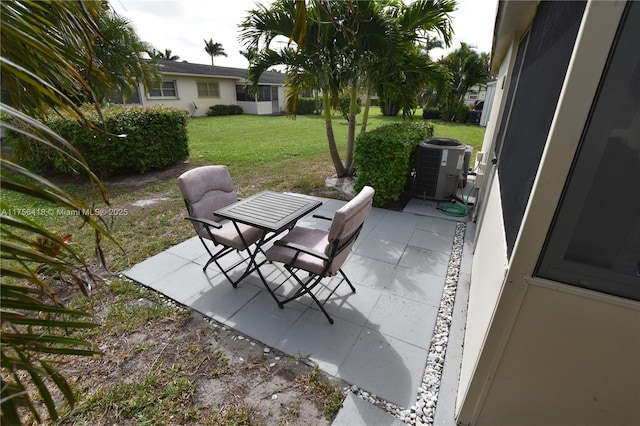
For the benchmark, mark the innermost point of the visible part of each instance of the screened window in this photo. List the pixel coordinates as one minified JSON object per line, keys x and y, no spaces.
{"x":536,"y":83}
{"x":595,"y":239}
{"x":264,"y":93}
{"x":210,"y":89}
{"x":169,"y":89}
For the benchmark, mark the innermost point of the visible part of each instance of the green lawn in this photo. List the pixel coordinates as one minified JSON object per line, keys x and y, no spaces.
{"x":283,"y":153}
{"x":262,"y":152}
{"x":249,"y":140}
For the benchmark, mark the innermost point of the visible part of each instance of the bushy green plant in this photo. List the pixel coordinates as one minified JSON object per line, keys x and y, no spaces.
{"x":345,"y":103}
{"x":462,"y":112}
{"x":431,"y":113}
{"x":307,"y":106}
{"x":384,"y":157}
{"x":218,"y":110}
{"x":138,"y":139}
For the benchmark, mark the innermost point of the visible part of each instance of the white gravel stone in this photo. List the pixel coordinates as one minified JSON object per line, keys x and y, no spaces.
{"x":423,"y":411}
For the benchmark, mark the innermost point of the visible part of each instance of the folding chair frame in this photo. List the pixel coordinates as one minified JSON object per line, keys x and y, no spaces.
{"x":306,"y":286}
{"x":224,"y":250}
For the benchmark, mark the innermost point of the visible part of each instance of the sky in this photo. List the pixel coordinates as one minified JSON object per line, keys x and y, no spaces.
{"x":183,"y":26}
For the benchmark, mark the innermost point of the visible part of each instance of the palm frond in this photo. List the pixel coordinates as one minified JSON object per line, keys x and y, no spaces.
{"x":55,"y":55}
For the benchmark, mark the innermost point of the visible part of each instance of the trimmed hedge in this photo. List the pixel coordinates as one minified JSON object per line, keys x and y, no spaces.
{"x":307,"y":106}
{"x":218,"y":110}
{"x":139,"y":139}
{"x":431,"y":113}
{"x":385,"y":157}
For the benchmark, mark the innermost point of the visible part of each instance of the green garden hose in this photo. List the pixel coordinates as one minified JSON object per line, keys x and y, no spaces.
{"x":455,"y":210}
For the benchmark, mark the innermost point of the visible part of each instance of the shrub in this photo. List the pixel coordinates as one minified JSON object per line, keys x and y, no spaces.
{"x":307,"y":106}
{"x":462,"y":112}
{"x":384,"y":157}
{"x":431,"y":113}
{"x":345,"y":102}
{"x":138,"y":139}
{"x":217,"y":110}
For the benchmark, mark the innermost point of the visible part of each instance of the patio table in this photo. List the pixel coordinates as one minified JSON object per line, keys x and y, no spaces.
{"x":274,"y":213}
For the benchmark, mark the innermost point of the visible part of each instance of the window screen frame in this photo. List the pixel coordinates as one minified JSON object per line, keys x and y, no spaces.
{"x":163,"y":91}
{"x":553,"y":264}
{"x":215,"y":93}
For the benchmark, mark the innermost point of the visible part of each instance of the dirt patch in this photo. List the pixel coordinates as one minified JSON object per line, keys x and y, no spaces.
{"x":138,"y":180}
{"x":228,"y":378}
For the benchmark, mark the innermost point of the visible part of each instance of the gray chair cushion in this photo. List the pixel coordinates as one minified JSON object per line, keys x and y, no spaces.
{"x":315,"y":239}
{"x":209,"y":188}
{"x":345,"y":222}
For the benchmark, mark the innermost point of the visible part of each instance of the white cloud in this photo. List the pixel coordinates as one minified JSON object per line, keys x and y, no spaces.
{"x":473,"y":23}
{"x":183,"y":25}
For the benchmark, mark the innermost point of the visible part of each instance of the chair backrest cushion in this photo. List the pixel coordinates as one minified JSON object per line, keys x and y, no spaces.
{"x":346,"y":221}
{"x":206,"y":189}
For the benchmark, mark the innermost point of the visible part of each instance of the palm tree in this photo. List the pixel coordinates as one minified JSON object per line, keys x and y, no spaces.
{"x":404,"y":72}
{"x":214,"y":49}
{"x":466,"y":68}
{"x":168,"y":55}
{"x":52,"y":57}
{"x":433,"y":43}
{"x":336,"y":47}
{"x":124,"y":56}
{"x":248,"y":54}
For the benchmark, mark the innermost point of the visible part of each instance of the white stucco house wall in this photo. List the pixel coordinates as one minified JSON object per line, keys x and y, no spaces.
{"x":553,"y":322}
{"x":196,"y":87}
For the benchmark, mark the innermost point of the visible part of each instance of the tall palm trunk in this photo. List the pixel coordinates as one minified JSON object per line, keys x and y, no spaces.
{"x":351,"y":136}
{"x":341,"y":171}
{"x":367,"y":105}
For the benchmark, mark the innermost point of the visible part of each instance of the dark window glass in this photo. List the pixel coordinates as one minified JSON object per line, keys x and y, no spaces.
{"x":264,"y":93}
{"x":536,"y":91}
{"x":595,"y":239}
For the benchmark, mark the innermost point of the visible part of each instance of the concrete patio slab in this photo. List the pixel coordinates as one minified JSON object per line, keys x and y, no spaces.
{"x":327,"y":345}
{"x":355,"y":411}
{"x":381,"y":335}
{"x":385,"y":366}
{"x":412,"y":321}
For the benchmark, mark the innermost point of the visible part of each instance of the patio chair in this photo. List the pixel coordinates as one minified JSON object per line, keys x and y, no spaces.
{"x":322,"y":253}
{"x":205,"y":190}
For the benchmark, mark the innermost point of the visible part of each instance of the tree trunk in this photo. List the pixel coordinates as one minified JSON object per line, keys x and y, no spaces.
{"x":351,"y":136}
{"x":331,"y":138}
{"x":389,"y":107}
{"x":367,"y":104}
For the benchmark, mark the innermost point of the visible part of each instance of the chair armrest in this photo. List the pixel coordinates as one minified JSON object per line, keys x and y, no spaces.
{"x":319,"y":216}
{"x":302,"y":249}
{"x":207,"y":222}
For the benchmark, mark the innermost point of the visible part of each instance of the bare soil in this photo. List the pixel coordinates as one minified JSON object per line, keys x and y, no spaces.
{"x":231,"y":379}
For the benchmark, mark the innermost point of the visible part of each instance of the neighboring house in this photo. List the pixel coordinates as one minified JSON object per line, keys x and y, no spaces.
{"x":553,"y":321}
{"x":196,"y":87}
{"x":475,"y":94}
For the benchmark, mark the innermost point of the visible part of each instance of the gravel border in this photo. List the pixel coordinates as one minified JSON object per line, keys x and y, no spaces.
{"x":423,"y":411}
